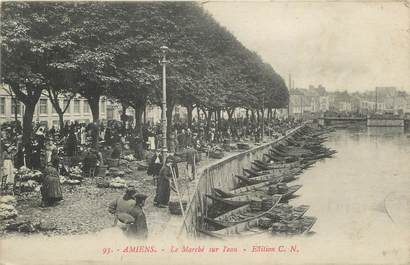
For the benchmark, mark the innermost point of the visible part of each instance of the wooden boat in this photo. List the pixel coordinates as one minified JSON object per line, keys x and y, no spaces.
{"x":285,"y":212}
{"x":320,"y":155}
{"x":254,"y":173}
{"x":241,"y":214}
{"x":276,"y":171}
{"x":277,"y":153}
{"x":238,"y":199}
{"x":268,"y":166}
{"x":295,"y":227}
{"x":250,"y":227}
{"x":226,"y":201}
{"x":256,"y":186}
{"x":287,"y":177}
{"x":290,"y":192}
{"x":280,"y":159}
{"x":307,"y":164}
{"x":250,"y":181}
{"x":233,"y":230}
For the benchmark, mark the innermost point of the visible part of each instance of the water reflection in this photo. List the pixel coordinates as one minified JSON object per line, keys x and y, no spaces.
{"x":363,"y":188}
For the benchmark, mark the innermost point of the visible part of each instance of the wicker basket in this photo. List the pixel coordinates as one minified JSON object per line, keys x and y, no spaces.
{"x":113,"y":162}
{"x":243,"y":146}
{"x":265,"y":222}
{"x":267,"y":204}
{"x":256,"y":205}
{"x":216,"y":154}
{"x":175,"y":208}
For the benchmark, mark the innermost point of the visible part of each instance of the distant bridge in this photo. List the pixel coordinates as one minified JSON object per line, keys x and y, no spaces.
{"x":342,"y":120}
{"x":370,"y":122}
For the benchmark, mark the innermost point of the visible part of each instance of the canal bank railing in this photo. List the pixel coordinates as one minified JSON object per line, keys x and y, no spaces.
{"x":220,"y":175}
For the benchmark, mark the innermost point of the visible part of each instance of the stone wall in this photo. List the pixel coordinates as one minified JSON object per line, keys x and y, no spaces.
{"x":385,"y":122}
{"x":220,"y":175}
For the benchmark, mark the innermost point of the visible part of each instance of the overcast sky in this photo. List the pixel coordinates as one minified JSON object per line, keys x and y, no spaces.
{"x":352,"y":46}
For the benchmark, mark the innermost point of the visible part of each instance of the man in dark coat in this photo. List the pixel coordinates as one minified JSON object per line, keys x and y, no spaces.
{"x":154,"y":166}
{"x":71,"y":144}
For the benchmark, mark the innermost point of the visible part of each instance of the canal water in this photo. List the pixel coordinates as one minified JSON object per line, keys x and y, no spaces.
{"x":361,"y":198}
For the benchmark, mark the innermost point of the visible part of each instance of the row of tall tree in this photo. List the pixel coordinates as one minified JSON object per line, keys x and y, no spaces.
{"x":112,"y":49}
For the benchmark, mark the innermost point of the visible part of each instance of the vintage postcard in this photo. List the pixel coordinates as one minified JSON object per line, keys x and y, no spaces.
{"x":205,"y":132}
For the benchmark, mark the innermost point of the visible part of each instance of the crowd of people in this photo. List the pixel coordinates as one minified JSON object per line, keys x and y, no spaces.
{"x":49,"y":146}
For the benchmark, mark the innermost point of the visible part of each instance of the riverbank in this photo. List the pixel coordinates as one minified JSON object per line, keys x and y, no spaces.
{"x":84,"y":208}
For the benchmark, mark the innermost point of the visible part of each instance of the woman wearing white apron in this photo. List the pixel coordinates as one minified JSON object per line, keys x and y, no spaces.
{"x":83,"y":135}
{"x":8,"y":167}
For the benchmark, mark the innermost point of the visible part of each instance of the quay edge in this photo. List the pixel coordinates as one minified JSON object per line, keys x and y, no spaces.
{"x":220,"y":175}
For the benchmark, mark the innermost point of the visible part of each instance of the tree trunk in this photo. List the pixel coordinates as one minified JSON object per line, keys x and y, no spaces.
{"x":198,"y":113}
{"x":209,"y":119}
{"x":230,"y":115}
{"x":27,"y":131}
{"x":61,"y":119}
{"x":94,"y":103}
{"x":28,"y":123}
{"x":189,"y":110}
{"x":230,"y":120}
{"x":139,"y":110}
{"x":145,"y":113}
{"x":124,"y":117}
{"x":258,"y":117}
{"x":263,"y":124}
{"x":15,"y":109}
{"x":218,"y":117}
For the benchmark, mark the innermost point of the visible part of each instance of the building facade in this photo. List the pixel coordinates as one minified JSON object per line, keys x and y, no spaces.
{"x":45,"y":114}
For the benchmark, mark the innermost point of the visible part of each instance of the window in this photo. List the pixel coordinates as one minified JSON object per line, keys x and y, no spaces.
{"x":76,"y":106}
{"x":13,"y":106}
{"x":110,"y":114}
{"x":43,"y":106}
{"x":102,"y":106}
{"x":2,"y":105}
{"x":66,"y":102}
{"x":86,"y":107}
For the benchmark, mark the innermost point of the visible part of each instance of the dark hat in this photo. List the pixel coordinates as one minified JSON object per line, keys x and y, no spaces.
{"x":140,"y":197}
{"x":131,"y":190}
{"x":170,"y":158}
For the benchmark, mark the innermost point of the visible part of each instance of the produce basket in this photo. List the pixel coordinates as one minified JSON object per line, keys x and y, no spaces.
{"x":175,"y":208}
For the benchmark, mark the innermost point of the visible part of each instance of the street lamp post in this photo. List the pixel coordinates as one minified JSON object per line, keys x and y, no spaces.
{"x":164,"y":50}
{"x":263,"y":118}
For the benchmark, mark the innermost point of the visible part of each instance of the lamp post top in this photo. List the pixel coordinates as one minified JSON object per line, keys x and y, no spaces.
{"x":164,"y":49}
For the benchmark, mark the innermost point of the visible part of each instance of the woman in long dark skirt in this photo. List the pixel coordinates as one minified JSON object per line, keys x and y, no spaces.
{"x":19,"y":157}
{"x":36,"y":156}
{"x":71,"y":145}
{"x":163,"y":187}
{"x":51,"y":189}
